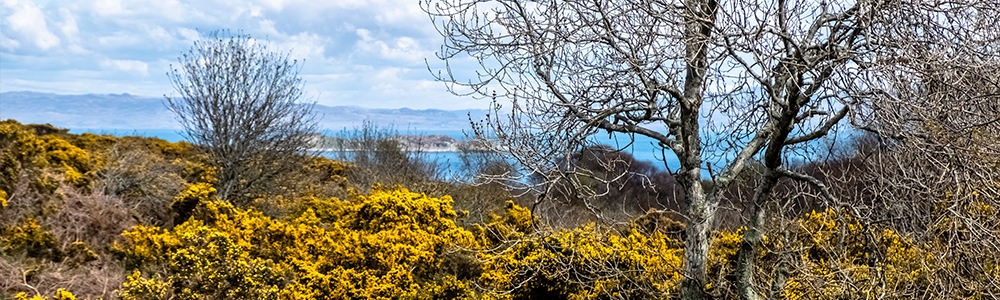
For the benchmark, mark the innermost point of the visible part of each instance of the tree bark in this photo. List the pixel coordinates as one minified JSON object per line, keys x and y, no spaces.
{"x":699,"y":22}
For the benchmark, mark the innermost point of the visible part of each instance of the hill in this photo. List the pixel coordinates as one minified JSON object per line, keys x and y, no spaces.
{"x":129,"y":112}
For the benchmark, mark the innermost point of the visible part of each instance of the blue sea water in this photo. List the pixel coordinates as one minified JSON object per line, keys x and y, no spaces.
{"x":170,"y":135}
{"x":642,"y":149}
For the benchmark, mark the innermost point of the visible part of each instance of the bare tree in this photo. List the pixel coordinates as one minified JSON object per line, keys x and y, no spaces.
{"x":727,"y":82}
{"x":379,"y":157}
{"x":940,"y":123}
{"x":241,"y":102}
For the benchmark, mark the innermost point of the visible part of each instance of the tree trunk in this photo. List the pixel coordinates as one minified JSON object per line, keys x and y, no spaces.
{"x":700,"y":214}
{"x":745,"y":263}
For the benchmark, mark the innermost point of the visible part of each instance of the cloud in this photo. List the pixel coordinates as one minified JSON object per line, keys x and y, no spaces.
{"x":357,"y":52}
{"x":189,"y":35}
{"x":28,"y":21}
{"x":8,"y":43}
{"x":68,"y":26}
{"x":304,"y":45}
{"x":130,"y":66}
{"x":401,"y":49}
{"x":108,"y":7}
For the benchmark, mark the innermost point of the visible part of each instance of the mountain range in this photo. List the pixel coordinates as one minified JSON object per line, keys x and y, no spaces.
{"x":131,"y":112}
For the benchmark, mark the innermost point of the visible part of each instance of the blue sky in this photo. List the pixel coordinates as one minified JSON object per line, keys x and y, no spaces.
{"x":368,"y":53}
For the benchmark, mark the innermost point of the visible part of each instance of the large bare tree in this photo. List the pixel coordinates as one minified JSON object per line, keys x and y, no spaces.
{"x":240,"y":101}
{"x":707,"y":80}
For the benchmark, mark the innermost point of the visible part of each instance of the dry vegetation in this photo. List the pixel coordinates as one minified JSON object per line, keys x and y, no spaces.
{"x":907,"y":208}
{"x":139,"y":218}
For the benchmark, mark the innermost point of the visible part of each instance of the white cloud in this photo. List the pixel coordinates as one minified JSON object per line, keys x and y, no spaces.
{"x":402,"y":49}
{"x":357,"y":52}
{"x":255,"y":11}
{"x":108,"y":7}
{"x":389,"y":74}
{"x":8,"y":43}
{"x":130,"y":66}
{"x":189,"y":35}
{"x":28,"y":22}
{"x":68,"y":26}
{"x":304,"y":45}
{"x":152,"y":10}
{"x":70,"y":31}
{"x":401,"y":14}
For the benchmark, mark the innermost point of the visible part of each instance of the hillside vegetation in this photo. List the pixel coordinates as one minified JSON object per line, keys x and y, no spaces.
{"x":100,"y":217}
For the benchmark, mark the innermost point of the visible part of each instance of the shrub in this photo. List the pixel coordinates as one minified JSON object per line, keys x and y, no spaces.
{"x":30,"y":239}
{"x":61,"y":294}
{"x":827,"y":255}
{"x":587,"y":262}
{"x":389,"y":244}
{"x":75,"y":162}
{"x":23,"y":174}
{"x":840,"y":252}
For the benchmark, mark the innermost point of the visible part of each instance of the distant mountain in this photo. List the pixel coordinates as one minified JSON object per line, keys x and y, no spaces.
{"x":129,"y":112}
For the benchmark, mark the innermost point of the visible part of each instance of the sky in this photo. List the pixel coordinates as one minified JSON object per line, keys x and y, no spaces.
{"x":368,"y":53}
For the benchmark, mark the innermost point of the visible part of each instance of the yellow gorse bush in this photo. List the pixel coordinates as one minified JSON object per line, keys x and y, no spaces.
{"x":75,"y":161}
{"x":841,"y":258}
{"x":388,"y":244}
{"x":61,"y":294}
{"x":30,"y":239}
{"x":23,"y":161}
{"x":588,"y":262}
{"x":396,"y":244}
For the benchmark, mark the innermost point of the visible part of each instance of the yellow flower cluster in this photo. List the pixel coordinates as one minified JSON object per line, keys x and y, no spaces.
{"x":22,"y":157}
{"x":388,"y":244}
{"x":31,"y":239}
{"x":61,"y":294}
{"x":588,"y":262}
{"x":184,"y":204}
{"x":844,"y":259}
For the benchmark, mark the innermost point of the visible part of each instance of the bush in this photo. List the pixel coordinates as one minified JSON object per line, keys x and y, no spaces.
{"x":30,"y":239}
{"x":827,"y":255}
{"x":587,"y":262}
{"x":61,"y":294}
{"x":389,"y":244}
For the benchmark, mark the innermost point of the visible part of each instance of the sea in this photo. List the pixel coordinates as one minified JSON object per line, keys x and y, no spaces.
{"x":642,"y":149}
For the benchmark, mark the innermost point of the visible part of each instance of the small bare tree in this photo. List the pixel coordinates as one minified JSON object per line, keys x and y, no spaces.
{"x":241,"y":102}
{"x":707,"y":80}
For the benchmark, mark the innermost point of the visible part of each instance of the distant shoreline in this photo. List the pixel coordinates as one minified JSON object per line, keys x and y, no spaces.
{"x":454,"y":150}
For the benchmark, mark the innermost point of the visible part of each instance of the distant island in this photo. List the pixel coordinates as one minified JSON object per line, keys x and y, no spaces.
{"x":126,"y":113}
{"x":411,"y":143}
